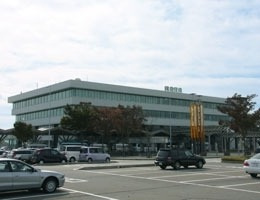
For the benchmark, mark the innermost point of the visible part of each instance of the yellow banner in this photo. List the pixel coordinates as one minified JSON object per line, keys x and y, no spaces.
{"x":197,"y":122}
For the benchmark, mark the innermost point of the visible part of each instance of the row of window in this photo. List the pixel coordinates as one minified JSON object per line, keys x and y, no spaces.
{"x":59,"y":112}
{"x":73,"y":92}
{"x":43,"y":99}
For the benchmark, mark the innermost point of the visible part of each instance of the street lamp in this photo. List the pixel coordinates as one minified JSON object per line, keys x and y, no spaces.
{"x":170,"y":130}
{"x":170,"y":136}
{"x":49,"y":116}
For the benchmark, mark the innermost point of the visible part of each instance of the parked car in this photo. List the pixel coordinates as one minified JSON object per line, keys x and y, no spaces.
{"x":257,"y":150}
{"x":71,"y":152}
{"x":177,"y":158}
{"x":21,"y":154}
{"x":91,"y":154}
{"x":47,"y":155}
{"x":3,"y":153}
{"x":252,"y":165}
{"x":27,"y":177}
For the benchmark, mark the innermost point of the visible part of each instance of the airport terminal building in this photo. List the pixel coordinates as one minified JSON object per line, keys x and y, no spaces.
{"x":167,"y":111}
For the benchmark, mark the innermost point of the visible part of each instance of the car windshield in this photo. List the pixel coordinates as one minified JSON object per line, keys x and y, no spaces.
{"x":257,"y":156}
{"x":163,"y":153}
{"x":188,"y":153}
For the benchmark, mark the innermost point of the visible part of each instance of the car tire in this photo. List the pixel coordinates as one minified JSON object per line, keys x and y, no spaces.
{"x":163,"y":166}
{"x":199,"y":164}
{"x":49,"y":185}
{"x":107,"y":160}
{"x":90,"y":160}
{"x":72,"y":160}
{"x":253,"y":175}
{"x":177,"y":165}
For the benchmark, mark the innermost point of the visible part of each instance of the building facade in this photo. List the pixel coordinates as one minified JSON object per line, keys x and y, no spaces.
{"x":167,"y":111}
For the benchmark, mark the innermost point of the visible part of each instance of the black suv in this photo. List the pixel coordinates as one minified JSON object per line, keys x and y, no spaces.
{"x":48,"y":155}
{"x":177,"y":158}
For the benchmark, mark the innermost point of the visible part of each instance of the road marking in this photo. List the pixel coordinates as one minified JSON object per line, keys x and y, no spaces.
{"x":211,"y":179}
{"x":132,"y":170}
{"x":179,"y":175}
{"x":74,"y":180}
{"x":194,"y":174}
{"x":181,"y":182}
{"x":241,"y":184}
{"x":37,"y":196}
{"x":89,"y":194}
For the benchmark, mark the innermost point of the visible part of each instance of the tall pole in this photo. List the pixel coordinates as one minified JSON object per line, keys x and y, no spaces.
{"x":170,"y":135}
{"x":49,"y":116}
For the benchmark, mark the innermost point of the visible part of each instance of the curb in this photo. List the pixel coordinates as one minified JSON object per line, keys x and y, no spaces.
{"x":116,"y":166}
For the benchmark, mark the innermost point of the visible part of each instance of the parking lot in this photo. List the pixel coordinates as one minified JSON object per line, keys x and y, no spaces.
{"x":220,"y":181}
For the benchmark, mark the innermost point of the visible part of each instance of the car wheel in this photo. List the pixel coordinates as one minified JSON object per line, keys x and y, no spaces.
{"x":177,"y":165}
{"x":107,"y":160}
{"x":41,"y":162}
{"x":90,"y":160}
{"x":199,"y":165}
{"x":72,"y":159}
{"x":49,"y":185}
{"x":253,"y":175}
{"x":163,"y":166}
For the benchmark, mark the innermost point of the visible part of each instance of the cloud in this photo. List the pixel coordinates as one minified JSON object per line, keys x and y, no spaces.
{"x":207,"y":47}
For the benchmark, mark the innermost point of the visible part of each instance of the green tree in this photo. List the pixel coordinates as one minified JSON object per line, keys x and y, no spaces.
{"x":80,"y":118}
{"x":23,"y":132}
{"x":106,"y":121}
{"x":107,"y":124}
{"x":130,"y":121}
{"x":242,"y":115}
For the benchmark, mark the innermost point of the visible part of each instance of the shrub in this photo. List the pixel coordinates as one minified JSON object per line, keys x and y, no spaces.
{"x":236,"y":159}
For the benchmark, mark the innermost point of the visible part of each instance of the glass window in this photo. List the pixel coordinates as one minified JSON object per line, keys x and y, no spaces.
{"x":4,"y":167}
{"x":188,"y":153}
{"x":54,"y":152}
{"x":20,"y":167}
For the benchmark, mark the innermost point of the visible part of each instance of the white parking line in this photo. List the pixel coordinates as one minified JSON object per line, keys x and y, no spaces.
{"x":235,"y":185}
{"x":183,"y":182}
{"x":74,"y":180}
{"x":211,"y":179}
{"x":36,"y":196}
{"x":89,"y":194}
{"x":195,"y":174}
{"x":178,"y":175}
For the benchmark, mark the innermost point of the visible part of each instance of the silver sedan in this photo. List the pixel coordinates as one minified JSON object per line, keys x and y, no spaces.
{"x":18,"y":175}
{"x":252,"y":165}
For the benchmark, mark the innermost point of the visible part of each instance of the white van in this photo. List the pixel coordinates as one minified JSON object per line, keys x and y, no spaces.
{"x":71,"y":152}
{"x":91,"y":154}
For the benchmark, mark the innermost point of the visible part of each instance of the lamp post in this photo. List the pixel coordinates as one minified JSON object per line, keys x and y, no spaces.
{"x":170,"y":130}
{"x":49,"y":118}
{"x":170,"y":135}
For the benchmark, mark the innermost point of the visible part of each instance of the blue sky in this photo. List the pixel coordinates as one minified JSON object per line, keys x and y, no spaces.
{"x":208,"y":47}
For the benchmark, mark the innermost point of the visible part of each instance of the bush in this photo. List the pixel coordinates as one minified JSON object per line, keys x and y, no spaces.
{"x":236,"y":159}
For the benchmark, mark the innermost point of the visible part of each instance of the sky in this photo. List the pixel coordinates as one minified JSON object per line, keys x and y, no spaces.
{"x":207,"y":47}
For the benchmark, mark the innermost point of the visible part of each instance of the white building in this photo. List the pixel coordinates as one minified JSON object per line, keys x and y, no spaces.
{"x":167,"y":111}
